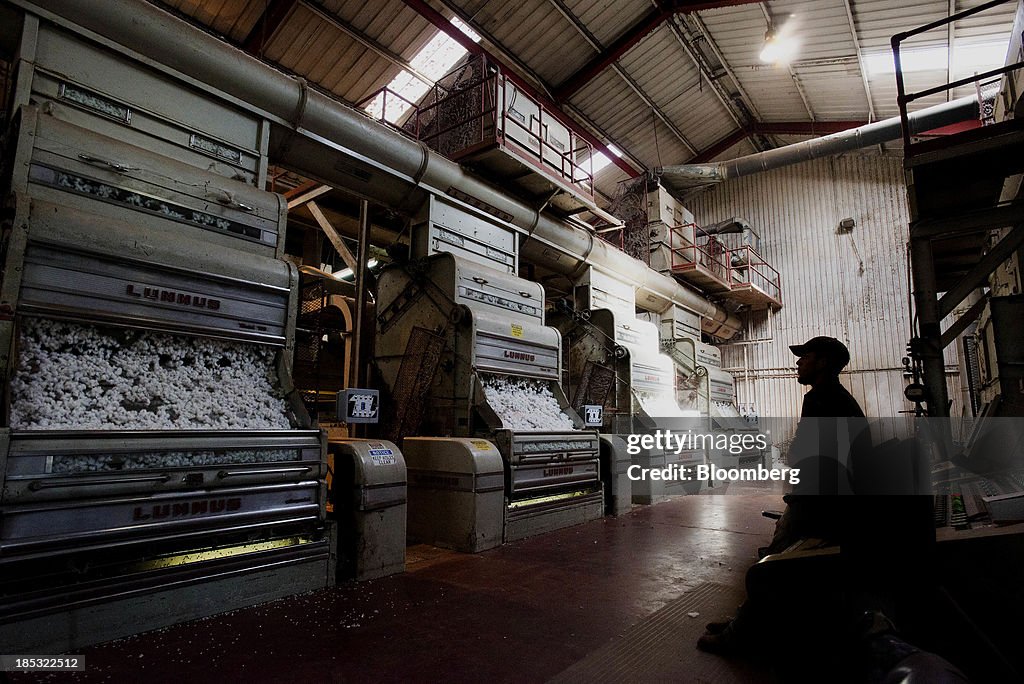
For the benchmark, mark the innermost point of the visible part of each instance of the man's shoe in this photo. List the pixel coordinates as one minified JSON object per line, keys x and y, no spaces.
{"x":717,"y":627}
{"x":723,"y":644}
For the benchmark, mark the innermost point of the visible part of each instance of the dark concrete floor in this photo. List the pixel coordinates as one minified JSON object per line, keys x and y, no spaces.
{"x":520,"y":613}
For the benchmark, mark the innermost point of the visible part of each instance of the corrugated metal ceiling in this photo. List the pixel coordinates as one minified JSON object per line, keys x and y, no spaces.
{"x":655,"y":103}
{"x":534,"y":31}
{"x":231,"y":18}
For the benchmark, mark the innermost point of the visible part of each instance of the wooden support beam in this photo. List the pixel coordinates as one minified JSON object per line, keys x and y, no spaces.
{"x":333,"y":236}
{"x":308,"y":196}
{"x":299,"y":189}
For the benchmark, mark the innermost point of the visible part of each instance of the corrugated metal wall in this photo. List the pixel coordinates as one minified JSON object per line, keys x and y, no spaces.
{"x":853,"y":286}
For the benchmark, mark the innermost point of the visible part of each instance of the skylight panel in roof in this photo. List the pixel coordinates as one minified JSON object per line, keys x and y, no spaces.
{"x":601,"y":161}
{"x":435,"y":60}
{"x":967,"y":59}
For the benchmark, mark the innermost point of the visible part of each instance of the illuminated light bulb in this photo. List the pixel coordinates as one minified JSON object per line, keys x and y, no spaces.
{"x":780,"y":46}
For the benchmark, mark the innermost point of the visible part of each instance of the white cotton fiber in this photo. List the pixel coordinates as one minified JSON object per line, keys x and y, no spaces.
{"x":71,"y":376}
{"x":525,"y":404}
{"x":73,"y":463}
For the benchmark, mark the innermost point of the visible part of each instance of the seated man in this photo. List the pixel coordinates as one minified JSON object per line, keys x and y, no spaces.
{"x":817,"y":600}
{"x":820,"y":449}
{"x":831,"y":432}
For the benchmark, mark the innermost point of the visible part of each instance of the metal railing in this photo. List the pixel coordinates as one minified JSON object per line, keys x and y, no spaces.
{"x":459,"y":109}
{"x":904,"y":98}
{"x":467,"y":108}
{"x":411,"y":115}
{"x":748,"y":269}
{"x":737,"y":267}
{"x":614,"y":236}
{"x":562,"y":161}
{"x":690,"y":251}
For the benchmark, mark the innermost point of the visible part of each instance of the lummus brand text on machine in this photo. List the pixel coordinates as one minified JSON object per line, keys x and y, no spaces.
{"x":707,"y":471}
{"x":678,"y":442}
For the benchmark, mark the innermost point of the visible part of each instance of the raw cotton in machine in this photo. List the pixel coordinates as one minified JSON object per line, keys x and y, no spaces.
{"x":72,"y":376}
{"x":524,"y":404}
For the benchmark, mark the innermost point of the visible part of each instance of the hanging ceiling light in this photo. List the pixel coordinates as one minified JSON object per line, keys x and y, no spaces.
{"x":771,"y":48}
{"x":780,"y":45}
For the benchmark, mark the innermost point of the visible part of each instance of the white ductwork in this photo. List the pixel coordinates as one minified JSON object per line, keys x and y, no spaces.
{"x":685,"y":176}
{"x":343,"y":147}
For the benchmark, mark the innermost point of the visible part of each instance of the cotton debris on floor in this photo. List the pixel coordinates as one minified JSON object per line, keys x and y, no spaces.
{"x":71,"y":376}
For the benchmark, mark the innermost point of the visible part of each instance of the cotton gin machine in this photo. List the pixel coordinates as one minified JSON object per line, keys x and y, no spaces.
{"x":157,"y":465}
{"x":608,"y":340}
{"x":520,"y":462}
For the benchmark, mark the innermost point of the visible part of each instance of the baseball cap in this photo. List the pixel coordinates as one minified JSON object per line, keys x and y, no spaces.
{"x":828,"y":347}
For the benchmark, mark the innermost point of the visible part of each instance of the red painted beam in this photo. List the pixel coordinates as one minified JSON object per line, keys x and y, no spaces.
{"x":685,"y":6}
{"x":268,"y":23}
{"x":720,"y":146}
{"x":953,"y":129}
{"x":633,"y":35}
{"x":438,"y":20}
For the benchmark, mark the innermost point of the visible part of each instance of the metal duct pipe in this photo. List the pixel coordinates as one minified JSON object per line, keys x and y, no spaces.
{"x":730,"y":225}
{"x":342,"y":147}
{"x":689,"y":175}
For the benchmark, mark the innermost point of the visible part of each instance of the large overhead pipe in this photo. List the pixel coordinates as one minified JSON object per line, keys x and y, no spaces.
{"x":313,"y":132}
{"x":691,"y":175}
